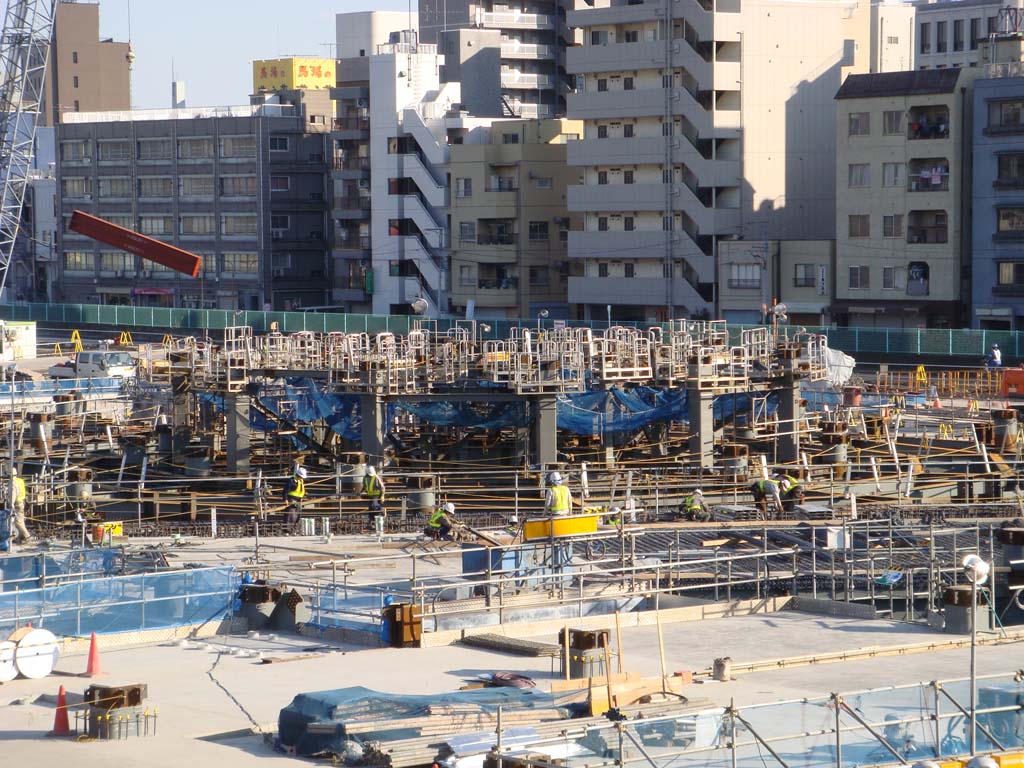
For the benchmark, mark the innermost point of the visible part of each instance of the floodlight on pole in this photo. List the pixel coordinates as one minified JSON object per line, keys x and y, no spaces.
{"x":976,"y":571}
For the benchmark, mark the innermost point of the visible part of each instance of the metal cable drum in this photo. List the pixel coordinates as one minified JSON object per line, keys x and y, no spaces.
{"x":8,"y":669}
{"x":36,"y":653}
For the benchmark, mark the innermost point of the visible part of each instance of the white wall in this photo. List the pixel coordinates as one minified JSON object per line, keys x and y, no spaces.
{"x":365,"y":30}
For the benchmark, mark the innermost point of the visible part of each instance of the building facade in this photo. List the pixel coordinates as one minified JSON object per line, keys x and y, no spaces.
{"x":700,"y":125}
{"x":950,"y":33}
{"x":509,"y":221}
{"x":900,"y":182}
{"x":244,"y":187}
{"x":86,"y":73}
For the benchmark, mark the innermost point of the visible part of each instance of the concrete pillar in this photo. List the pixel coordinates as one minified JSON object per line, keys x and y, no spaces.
{"x":181,"y":395}
{"x":790,"y":414}
{"x":239,"y":448}
{"x":544,"y":430}
{"x":702,"y":425}
{"x":373,"y":415}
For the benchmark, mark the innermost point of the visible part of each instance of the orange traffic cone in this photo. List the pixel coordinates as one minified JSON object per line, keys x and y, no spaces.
{"x":61,"y":727}
{"x":93,"y":668}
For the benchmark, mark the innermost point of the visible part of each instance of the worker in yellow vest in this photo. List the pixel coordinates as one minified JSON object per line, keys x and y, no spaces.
{"x":20,"y":495}
{"x":558,"y":500}
{"x":294,"y":493}
{"x":373,"y":490}
{"x":439,"y":527}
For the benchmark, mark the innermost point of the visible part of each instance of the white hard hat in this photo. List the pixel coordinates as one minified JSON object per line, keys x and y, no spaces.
{"x":554,"y":478}
{"x":449,"y":508}
{"x":698,"y":492}
{"x":14,"y":471}
{"x":371,"y":471}
{"x":615,"y":510}
{"x":982,"y":761}
{"x":301,"y":472}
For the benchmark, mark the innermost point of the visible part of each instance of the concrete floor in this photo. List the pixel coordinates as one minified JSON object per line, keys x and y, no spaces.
{"x":206,"y":689}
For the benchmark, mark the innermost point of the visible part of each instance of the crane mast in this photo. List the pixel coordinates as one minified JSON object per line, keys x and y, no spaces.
{"x":24,"y":52}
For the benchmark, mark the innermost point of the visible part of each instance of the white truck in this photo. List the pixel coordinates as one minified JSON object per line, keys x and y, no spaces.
{"x":101,"y":364}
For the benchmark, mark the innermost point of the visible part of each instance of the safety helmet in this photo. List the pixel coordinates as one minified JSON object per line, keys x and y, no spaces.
{"x":301,"y":472}
{"x":555,"y":479}
{"x":449,"y":508}
{"x":995,"y":346}
{"x":14,"y":471}
{"x":698,"y":492}
{"x":982,"y":761}
{"x":371,"y":471}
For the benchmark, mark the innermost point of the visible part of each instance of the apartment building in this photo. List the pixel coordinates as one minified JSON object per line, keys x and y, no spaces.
{"x":532,"y":40}
{"x":244,"y":187}
{"x":899,"y":186}
{"x":892,"y":36}
{"x":85,"y":73}
{"x":509,"y":221}
{"x":950,"y":33}
{"x":755,"y":276}
{"x":702,"y":122}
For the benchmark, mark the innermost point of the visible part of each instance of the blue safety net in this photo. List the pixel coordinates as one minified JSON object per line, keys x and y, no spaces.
{"x":24,"y":571}
{"x":124,"y":603}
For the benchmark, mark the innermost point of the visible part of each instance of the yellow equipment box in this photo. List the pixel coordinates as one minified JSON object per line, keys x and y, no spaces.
{"x":570,"y":525}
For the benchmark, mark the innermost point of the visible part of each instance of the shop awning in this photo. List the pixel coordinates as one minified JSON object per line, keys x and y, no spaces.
{"x":154,"y":292}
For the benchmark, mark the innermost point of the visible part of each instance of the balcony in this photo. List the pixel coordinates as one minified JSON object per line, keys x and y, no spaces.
{"x":516,"y":50}
{"x":507,"y":20}
{"x":526,"y":80}
{"x":928,"y":175}
{"x":529,"y":110}
{"x":634,"y":291}
{"x":497,"y":238}
{"x":928,"y":123}
{"x":741,"y":283}
{"x":351,"y":208}
{"x":928,"y":228}
{"x":351,"y":123}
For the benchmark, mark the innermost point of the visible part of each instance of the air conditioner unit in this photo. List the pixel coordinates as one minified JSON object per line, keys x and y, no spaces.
{"x":279,"y":272}
{"x":364,"y":183}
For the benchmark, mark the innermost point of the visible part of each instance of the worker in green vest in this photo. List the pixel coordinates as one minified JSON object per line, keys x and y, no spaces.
{"x":790,"y":491}
{"x":21,"y":534}
{"x":763,"y":491}
{"x":695,"y":508}
{"x":558,"y":500}
{"x":439,"y":527}
{"x":373,"y":490}
{"x":294,"y":493}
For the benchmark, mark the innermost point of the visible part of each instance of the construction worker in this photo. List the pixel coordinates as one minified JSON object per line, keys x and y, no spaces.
{"x":373,"y":489}
{"x":558,"y":500}
{"x":762,"y":491}
{"x":695,"y":508}
{"x":790,"y":491}
{"x":20,"y":495}
{"x":439,"y":527}
{"x":295,"y":492}
{"x":995,"y":357}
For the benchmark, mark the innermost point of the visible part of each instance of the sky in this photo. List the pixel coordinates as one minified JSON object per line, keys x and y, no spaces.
{"x":212,"y":42}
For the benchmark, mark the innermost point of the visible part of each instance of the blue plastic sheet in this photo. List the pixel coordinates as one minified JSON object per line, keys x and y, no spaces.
{"x":19,"y":571}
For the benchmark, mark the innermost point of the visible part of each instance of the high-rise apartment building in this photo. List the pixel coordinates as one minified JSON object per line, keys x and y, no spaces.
{"x":950,"y":33}
{"x":703,"y":121}
{"x":85,"y":73}
{"x":533,"y":38}
{"x":244,"y":187}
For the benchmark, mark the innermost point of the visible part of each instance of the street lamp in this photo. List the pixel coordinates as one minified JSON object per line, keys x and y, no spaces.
{"x":976,"y":571}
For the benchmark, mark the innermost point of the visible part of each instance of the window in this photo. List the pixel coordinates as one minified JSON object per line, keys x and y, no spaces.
{"x":1011,"y":221}
{"x":892,"y":226}
{"x":628,"y":223}
{"x":538,"y":230}
{"x":280,"y":222}
{"x":238,"y":186}
{"x":464,"y":187}
{"x":79,"y":261}
{"x":602,"y":131}
{"x":114,"y":151}
{"x":241,"y":262}
{"x":602,"y":223}
{"x":860,"y":225}
{"x":277,"y":144}
{"x":245,"y":146}
{"x":890,"y":278}
{"x":1006,"y":115}
{"x":860,"y":123}
{"x":121,"y":219}
{"x":991,"y":25}
{"x":538,"y":276}
{"x":154,"y":149}
{"x":892,"y":122}
{"x":544,"y":182}
{"x":76,"y":187}
{"x":627,"y":84}
{"x":892,"y":174}
{"x":860,"y":175}
{"x":280,"y":183}
{"x":1011,"y":273}
{"x":74,"y":57}
{"x":74,"y":81}
{"x":972,"y":43}
{"x":238,"y":224}
{"x":195,"y":147}
{"x":78,"y":107}
{"x":859,"y":278}
{"x":598,"y":37}
{"x":466,"y":276}
{"x":198,"y":224}
{"x":602,"y":269}
{"x":117,"y":261}
{"x":940,"y":36}
{"x":925,"y":36}
{"x":627,"y":177}
{"x":602,"y":84}
{"x":744,"y":275}
{"x":510,"y":138}
{"x":958,"y":35}
{"x":602,"y":177}
{"x":75,"y":152}
{"x":631,"y":36}
{"x":467,"y":231}
{"x":1011,"y":170}
{"x":629,"y":269}
{"x":114,"y":186}
{"x":155,"y":186}
{"x":803,"y":275}
{"x":195,"y":186}
{"x":156,"y":225}
{"x":892,"y":40}
{"x":627,"y":131}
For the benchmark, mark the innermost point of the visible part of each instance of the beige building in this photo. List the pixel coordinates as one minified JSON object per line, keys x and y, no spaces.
{"x":86,"y":74}
{"x":797,"y":273}
{"x":898,"y":198}
{"x":509,"y":221}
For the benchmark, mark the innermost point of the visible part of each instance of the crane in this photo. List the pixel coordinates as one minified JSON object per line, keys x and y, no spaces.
{"x":24,"y":52}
